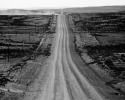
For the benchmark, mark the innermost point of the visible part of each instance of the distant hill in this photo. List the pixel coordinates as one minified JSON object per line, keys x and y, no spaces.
{"x":28,"y":12}
{"x":95,"y":9}
{"x":57,"y":11}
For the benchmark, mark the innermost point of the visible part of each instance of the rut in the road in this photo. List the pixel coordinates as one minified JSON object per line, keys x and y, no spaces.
{"x":62,"y":93}
{"x":73,"y":87}
{"x":65,"y":82}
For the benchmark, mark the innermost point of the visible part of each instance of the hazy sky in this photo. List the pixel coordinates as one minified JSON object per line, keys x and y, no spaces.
{"x":56,"y":3}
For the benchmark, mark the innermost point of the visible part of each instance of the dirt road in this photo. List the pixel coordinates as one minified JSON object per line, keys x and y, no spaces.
{"x":63,"y":80}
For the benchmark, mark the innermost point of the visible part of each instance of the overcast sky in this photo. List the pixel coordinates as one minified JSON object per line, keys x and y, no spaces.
{"x":11,"y":4}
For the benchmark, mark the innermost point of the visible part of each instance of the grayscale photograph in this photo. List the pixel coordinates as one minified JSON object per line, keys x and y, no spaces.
{"x":62,"y":50}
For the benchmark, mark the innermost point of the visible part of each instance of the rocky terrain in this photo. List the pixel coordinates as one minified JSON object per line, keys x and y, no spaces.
{"x":25,"y":44}
{"x":100,"y":41}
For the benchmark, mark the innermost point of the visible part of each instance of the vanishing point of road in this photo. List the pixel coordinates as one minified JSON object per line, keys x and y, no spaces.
{"x":64,"y":80}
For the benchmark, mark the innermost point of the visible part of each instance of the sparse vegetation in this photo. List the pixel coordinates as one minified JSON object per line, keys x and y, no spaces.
{"x":106,"y":45}
{"x":23,"y":38}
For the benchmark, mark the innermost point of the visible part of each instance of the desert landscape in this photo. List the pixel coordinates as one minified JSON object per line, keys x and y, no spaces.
{"x":24,"y":39}
{"x":63,"y":54}
{"x":100,"y":41}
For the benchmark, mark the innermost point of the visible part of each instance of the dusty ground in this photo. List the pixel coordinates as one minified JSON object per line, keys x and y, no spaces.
{"x":17,"y":75}
{"x":63,"y":76}
{"x":104,"y":74}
